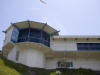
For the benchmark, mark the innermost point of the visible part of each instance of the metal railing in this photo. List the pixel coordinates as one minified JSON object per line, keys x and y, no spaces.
{"x":34,"y":39}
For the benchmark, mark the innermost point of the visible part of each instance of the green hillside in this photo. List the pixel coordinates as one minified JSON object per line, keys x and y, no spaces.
{"x":10,"y":68}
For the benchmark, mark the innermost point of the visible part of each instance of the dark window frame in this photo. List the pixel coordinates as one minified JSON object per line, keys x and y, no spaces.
{"x":36,"y":35}
{"x":88,"y":46}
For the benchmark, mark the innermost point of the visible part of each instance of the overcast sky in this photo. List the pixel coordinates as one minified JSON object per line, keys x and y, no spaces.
{"x":71,"y":17}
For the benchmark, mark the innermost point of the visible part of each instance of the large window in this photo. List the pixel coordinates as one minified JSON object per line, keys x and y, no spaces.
{"x":15,"y":33}
{"x":34,"y":35}
{"x":88,"y":46}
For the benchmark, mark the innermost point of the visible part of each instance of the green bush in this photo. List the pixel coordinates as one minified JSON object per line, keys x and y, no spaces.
{"x":52,"y":73}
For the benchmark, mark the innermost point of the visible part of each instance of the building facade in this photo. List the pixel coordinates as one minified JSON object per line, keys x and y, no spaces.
{"x":38,"y":45}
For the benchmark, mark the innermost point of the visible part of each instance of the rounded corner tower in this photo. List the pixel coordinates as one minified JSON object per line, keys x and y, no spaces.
{"x":27,"y":42}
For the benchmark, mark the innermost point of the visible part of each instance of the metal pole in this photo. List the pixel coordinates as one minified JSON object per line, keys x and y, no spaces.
{"x":28,"y":31}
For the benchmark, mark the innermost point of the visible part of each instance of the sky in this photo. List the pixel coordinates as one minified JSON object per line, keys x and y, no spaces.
{"x":71,"y":17}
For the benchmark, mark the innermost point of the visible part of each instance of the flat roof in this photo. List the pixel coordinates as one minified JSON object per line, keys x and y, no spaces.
{"x":77,"y":36}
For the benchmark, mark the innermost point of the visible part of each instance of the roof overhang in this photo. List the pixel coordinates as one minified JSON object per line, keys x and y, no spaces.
{"x":37,"y":25}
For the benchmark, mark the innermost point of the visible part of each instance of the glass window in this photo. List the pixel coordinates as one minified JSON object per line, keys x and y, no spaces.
{"x":34,"y":35}
{"x":15,"y":33}
{"x":88,"y":46}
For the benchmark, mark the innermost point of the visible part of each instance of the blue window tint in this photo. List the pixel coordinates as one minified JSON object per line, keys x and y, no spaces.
{"x":88,"y":46}
{"x":34,"y":35}
{"x":15,"y":33}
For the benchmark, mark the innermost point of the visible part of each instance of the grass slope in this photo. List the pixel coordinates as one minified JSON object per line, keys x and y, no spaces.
{"x":10,"y":68}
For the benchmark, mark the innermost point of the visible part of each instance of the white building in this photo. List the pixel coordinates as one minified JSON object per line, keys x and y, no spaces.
{"x":38,"y":45}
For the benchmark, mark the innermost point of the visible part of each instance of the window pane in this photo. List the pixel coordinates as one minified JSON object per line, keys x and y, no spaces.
{"x":88,"y":46}
{"x":15,"y":34}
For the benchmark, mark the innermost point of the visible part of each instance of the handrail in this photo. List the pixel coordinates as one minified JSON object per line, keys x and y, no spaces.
{"x":34,"y":39}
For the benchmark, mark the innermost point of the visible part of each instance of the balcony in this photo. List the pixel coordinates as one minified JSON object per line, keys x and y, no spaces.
{"x":34,"y":39}
{"x":30,"y":35}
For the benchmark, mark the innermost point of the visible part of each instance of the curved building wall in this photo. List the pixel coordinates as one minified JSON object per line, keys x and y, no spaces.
{"x":29,"y":57}
{"x":35,"y":58}
{"x":12,"y":54}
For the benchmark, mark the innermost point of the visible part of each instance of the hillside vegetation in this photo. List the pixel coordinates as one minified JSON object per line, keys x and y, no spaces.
{"x":10,"y":68}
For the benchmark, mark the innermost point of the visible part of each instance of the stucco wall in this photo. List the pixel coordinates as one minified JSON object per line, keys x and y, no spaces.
{"x":12,"y":54}
{"x":29,"y":57}
{"x":87,"y":64}
{"x":8,"y":36}
{"x":35,"y":58}
{"x":23,"y":56}
{"x":63,"y":45}
{"x":69,"y":45}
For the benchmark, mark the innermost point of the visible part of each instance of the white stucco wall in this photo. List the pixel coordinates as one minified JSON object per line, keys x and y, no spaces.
{"x":12,"y":54}
{"x":51,"y":63}
{"x":29,"y":57}
{"x":35,"y":58}
{"x":63,"y":46}
{"x":69,"y":45}
{"x":8,"y":36}
{"x":87,"y":64}
{"x":23,"y":57}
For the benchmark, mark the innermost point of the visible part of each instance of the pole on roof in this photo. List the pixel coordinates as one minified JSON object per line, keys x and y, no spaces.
{"x":14,"y":25}
{"x":29,"y":30}
{"x":44,"y":26}
{"x":43,"y":29}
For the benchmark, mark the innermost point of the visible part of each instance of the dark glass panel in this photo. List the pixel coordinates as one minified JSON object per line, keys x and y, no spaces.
{"x":88,"y":46}
{"x":15,"y":33}
{"x":34,"y":35}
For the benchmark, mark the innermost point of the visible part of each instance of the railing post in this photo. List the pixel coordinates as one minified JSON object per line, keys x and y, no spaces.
{"x":29,"y":31}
